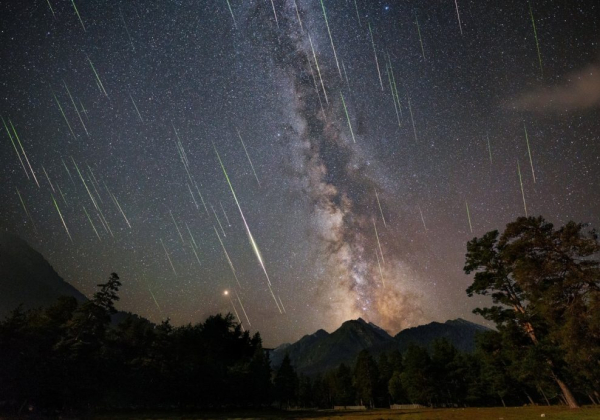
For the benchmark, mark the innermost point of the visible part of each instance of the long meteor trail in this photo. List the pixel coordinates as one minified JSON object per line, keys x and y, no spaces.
{"x":522,"y":190}
{"x":331,"y":39}
{"x":168,"y":257}
{"x":248,"y":156}
{"x":378,"y":242}
{"x":347,"y":117}
{"x":250,"y":237}
{"x":376,"y":59}
{"x":61,"y":217}
{"x":227,"y":256}
{"x":15,"y":147}
{"x":23,"y":151}
{"x":529,"y":153}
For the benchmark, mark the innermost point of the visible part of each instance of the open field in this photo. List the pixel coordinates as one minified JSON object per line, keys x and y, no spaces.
{"x":497,"y":413}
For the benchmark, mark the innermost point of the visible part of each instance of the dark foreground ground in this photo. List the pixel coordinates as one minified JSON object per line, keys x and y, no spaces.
{"x":517,"y":413}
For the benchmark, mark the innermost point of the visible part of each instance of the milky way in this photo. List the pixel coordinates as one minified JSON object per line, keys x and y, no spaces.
{"x":366,"y":138}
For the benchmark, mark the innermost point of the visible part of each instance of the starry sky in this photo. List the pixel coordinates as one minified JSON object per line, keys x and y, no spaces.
{"x":378,"y":138}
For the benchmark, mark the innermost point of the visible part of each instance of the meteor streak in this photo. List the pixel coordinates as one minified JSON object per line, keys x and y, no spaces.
{"x":458,"y":15}
{"x":192,"y":194}
{"x":242,"y":306}
{"x":62,"y":195}
{"x":177,"y":227}
{"x":529,"y":153}
{"x":469,"y":216}
{"x":248,"y":156}
{"x":380,"y":209}
{"x":378,"y":243}
{"x":537,"y":44}
{"x":357,"y":14}
{"x":48,"y":178}
{"x":61,"y":217}
{"x":191,"y":236}
{"x":136,"y":108}
{"x":420,"y":38}
{"x":227,"y":256}
{"x":376,"y":60}
{"x":76,"y":109}
{"x":126,"y":30}
{"x":168,"y":257}
{"x":412,"y":118}
{"x":51,"y":9}
{"x":318,"y":69}
{"x":380,"y":270}
{"x":63,"y":114}
{"x":422,"y":218}
{"x":91,"y":223}
{"x":152,"y":294}
{"x":522,"y":190}
{"x":202,"y":199}
{"x":97,"y":77}
{"x":250,"y":237}
{"x":489,"y":147}
{"x":79,"y":16}
{"x":275,"y":13}
{"x":15,"y":147}
{"x":331,"y":39}
{"x":25,"y":208}
{"x":68,"y":172}
{"x":226,"y":218}
{"x":298,"y":15}
{"x":218,"y":221}
{"x":347,"y":117}
{"x":23,"y":151}
{"x":85,"y":184}
{"x":232,"y":16}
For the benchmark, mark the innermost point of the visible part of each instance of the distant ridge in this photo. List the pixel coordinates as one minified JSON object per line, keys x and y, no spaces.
{"x":27,"y":278}
{"x":322,"y":351}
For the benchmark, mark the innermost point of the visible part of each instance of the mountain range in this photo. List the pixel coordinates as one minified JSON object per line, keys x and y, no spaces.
{"x":322,"y":351}
{"x":27,"y":279}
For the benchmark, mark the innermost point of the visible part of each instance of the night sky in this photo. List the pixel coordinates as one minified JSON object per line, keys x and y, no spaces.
{"x":431,"y":121}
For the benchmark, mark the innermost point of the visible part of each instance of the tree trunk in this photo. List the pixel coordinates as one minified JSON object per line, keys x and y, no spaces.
{"x":544,"y":395}
{"x":592,"y":399}
{"x":529,"y":398}
{"x":568,"y":396}
{"x":502,"y":399}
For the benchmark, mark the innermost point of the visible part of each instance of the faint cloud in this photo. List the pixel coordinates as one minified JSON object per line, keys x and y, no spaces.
{"x":580,"y":91}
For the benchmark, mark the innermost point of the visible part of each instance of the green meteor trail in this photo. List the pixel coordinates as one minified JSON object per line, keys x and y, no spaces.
{"x":168,"y":257}
{"x":380,"y":270}
{"x":96,"y":74}
{"x":63,"y":114}
{"x":469,"y":216}
{"x":68,"y":172}
{"x":298,"y":15}
{"x":218,"y":221}
{"x":126,"y":30}
{"x":380,"y":209}
{"x":529,"y":153}
{"x":48,"y":178}
{"x":25,"y":208}
{"x":76,"y":109}
{"x":376,"y":60}
{"x":412,"y":118}
{"x":537,"y":44}
{"x":248,"y":156}
{"x":177,"y":227}
{"x":91,"y":223}
{"x":420,"y":38}
{"x":227,"y":256}
{"x":232,"y":16}
{"x":357,"y":14}
{"x":522,"y":190}
{"x":347,"y":117}
{"x":61,"y":217}
{"x":23,"y":151}
{"x":378,"y":242}
{"x":51,"y":9}
{"x":388,"y":71}
{"x":318,"y":69}
{"x":331,"y":39}
{"x":250,"y":237}
{"x":15,"y":147}
{"x":78,"y":15}
{"x":242,"y":306}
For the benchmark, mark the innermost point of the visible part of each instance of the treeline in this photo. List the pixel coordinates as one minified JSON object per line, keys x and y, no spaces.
{"x":69,"y":357}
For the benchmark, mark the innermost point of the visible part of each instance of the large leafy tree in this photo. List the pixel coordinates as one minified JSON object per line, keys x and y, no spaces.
{"x":546,"y":281}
